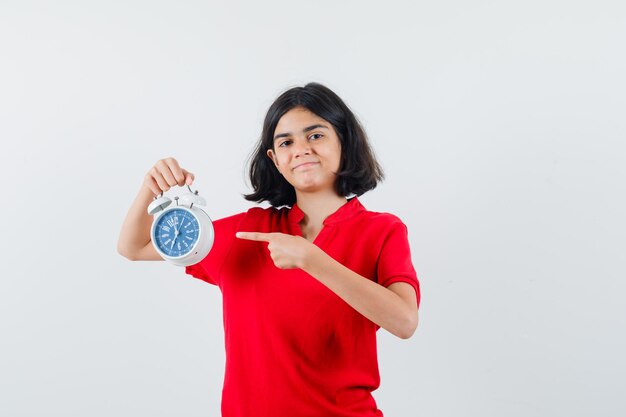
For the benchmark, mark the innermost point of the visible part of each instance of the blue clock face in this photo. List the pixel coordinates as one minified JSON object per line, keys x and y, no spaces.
{"x":176,"y":232}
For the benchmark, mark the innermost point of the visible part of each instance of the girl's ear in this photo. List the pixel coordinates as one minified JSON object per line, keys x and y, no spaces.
{"x":272,"y":156}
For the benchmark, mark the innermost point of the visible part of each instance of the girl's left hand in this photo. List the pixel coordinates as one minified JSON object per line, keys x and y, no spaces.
{"x":287,"y":251}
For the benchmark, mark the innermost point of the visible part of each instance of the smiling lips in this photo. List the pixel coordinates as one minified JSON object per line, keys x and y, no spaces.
{"x":305,"y":164}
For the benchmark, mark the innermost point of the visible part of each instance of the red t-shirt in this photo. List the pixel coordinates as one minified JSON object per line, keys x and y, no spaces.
{"x":293,"y":347}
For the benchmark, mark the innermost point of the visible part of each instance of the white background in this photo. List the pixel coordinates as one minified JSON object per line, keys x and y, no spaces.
{"x":501,"y":129}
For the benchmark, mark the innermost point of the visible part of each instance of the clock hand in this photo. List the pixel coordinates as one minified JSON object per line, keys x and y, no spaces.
{"x":174,"y":240}
{"x":175,"y":233}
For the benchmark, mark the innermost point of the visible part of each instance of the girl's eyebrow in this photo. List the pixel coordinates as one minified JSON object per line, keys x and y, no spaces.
{"x":306,"y":129}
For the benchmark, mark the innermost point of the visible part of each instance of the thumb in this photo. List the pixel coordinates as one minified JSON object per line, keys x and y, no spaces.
{"x":189,"y":177}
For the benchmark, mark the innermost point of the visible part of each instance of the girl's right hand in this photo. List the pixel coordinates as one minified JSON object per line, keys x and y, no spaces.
{"x":165,"y":174}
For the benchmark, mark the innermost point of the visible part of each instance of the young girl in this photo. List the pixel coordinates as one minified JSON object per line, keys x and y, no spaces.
{"x":307,"y":282}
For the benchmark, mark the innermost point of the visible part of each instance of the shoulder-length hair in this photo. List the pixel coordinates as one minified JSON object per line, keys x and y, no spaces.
{"x":358,"y":170}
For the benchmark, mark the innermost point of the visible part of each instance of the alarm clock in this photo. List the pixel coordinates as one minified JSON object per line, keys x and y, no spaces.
{"x":182,"y":234}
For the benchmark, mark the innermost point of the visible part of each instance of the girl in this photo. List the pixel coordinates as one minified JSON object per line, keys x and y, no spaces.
{"x":307,"y":282}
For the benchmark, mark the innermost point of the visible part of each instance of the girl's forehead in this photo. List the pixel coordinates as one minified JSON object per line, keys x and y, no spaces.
{"x":299,"y":115}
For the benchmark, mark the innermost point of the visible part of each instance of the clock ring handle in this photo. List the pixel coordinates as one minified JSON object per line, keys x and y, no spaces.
{"x":188,"y":187}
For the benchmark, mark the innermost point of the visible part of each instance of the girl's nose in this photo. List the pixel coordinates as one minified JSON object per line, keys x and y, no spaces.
{"x":302,"y":147}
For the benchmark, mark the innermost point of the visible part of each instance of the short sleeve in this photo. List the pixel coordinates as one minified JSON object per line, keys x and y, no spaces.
{"x":208,"y":269}
{"x":394,"y":262}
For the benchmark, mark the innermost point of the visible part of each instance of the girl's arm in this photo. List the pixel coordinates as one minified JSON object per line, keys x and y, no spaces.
{"x":393,"y":308}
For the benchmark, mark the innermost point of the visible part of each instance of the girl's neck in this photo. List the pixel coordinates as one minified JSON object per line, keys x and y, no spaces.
{"x":317,"y":207}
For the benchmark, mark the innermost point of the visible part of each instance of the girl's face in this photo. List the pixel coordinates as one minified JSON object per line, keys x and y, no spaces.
{"x":306,"y":151}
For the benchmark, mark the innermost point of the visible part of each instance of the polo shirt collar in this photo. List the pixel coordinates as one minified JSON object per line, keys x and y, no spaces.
{"x":348,"y":210}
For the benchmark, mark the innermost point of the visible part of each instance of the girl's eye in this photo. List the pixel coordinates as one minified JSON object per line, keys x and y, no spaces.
{"x":284,"y":143}
{"x":315,"y":136}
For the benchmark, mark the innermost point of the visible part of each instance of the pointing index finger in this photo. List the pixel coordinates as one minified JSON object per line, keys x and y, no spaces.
{"x":261,"y":237}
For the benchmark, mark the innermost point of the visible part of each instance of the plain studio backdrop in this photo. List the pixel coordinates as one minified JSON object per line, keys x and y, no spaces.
{"x":501,"y":129}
